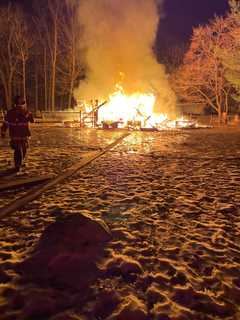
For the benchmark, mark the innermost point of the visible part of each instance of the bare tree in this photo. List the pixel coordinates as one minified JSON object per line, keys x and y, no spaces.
{"x":48,"y":26}
{"x":201,"y":78}
{"x":23,"y":43}
{"x":42,"y":52}
{"x":14,"y":51}
{"x":70,"y":67}
{"x":230,"y":54}
{"x":8,"y":51}
{"x":55,"y":12}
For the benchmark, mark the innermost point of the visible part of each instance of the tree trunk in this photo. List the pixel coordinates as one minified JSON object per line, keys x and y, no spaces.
{"x":226,"y":102}
{"x":36,"y":89}
{"x":71,"y":83}
{"x":24,"y":79}
{"x":9,"y":94}
{"x":46,"y":107}
{"x":219,"y":115}
{"x":7,"y":100}
{"x":5,"y":89}
{"x":70,"y":93}
{"x":54,"y":62}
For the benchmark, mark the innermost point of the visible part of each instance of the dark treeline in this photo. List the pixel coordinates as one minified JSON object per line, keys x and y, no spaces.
{"x":40,"y":54}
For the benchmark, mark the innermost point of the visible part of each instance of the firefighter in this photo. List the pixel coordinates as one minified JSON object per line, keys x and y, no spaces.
{"x":17,"y":122}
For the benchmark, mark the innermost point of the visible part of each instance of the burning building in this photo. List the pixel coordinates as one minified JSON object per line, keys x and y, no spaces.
{"x":118,"y":39}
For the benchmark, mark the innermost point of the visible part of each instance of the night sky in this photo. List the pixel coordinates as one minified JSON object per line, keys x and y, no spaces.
{"x":179,"y":17}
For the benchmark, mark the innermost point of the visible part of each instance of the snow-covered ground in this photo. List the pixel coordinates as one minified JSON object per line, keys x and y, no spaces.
{"x":171,"y":200}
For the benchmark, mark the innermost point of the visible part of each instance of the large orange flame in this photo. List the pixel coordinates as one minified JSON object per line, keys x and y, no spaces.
{"x":137,"y":107}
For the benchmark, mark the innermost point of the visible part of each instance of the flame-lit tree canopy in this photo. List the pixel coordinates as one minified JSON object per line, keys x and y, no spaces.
{"x":201,"y":78}
{"x":209,"y":67}
{"x":231,"y":54}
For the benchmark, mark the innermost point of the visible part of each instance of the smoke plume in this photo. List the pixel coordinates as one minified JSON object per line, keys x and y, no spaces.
{"x":118,"y":39}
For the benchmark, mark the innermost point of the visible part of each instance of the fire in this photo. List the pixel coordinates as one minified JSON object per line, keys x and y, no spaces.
{"x":135,"y":111}
{"x":135,"y":108}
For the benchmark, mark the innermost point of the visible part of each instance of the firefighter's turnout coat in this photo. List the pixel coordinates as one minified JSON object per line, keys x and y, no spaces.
{"x":17,"y":122}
